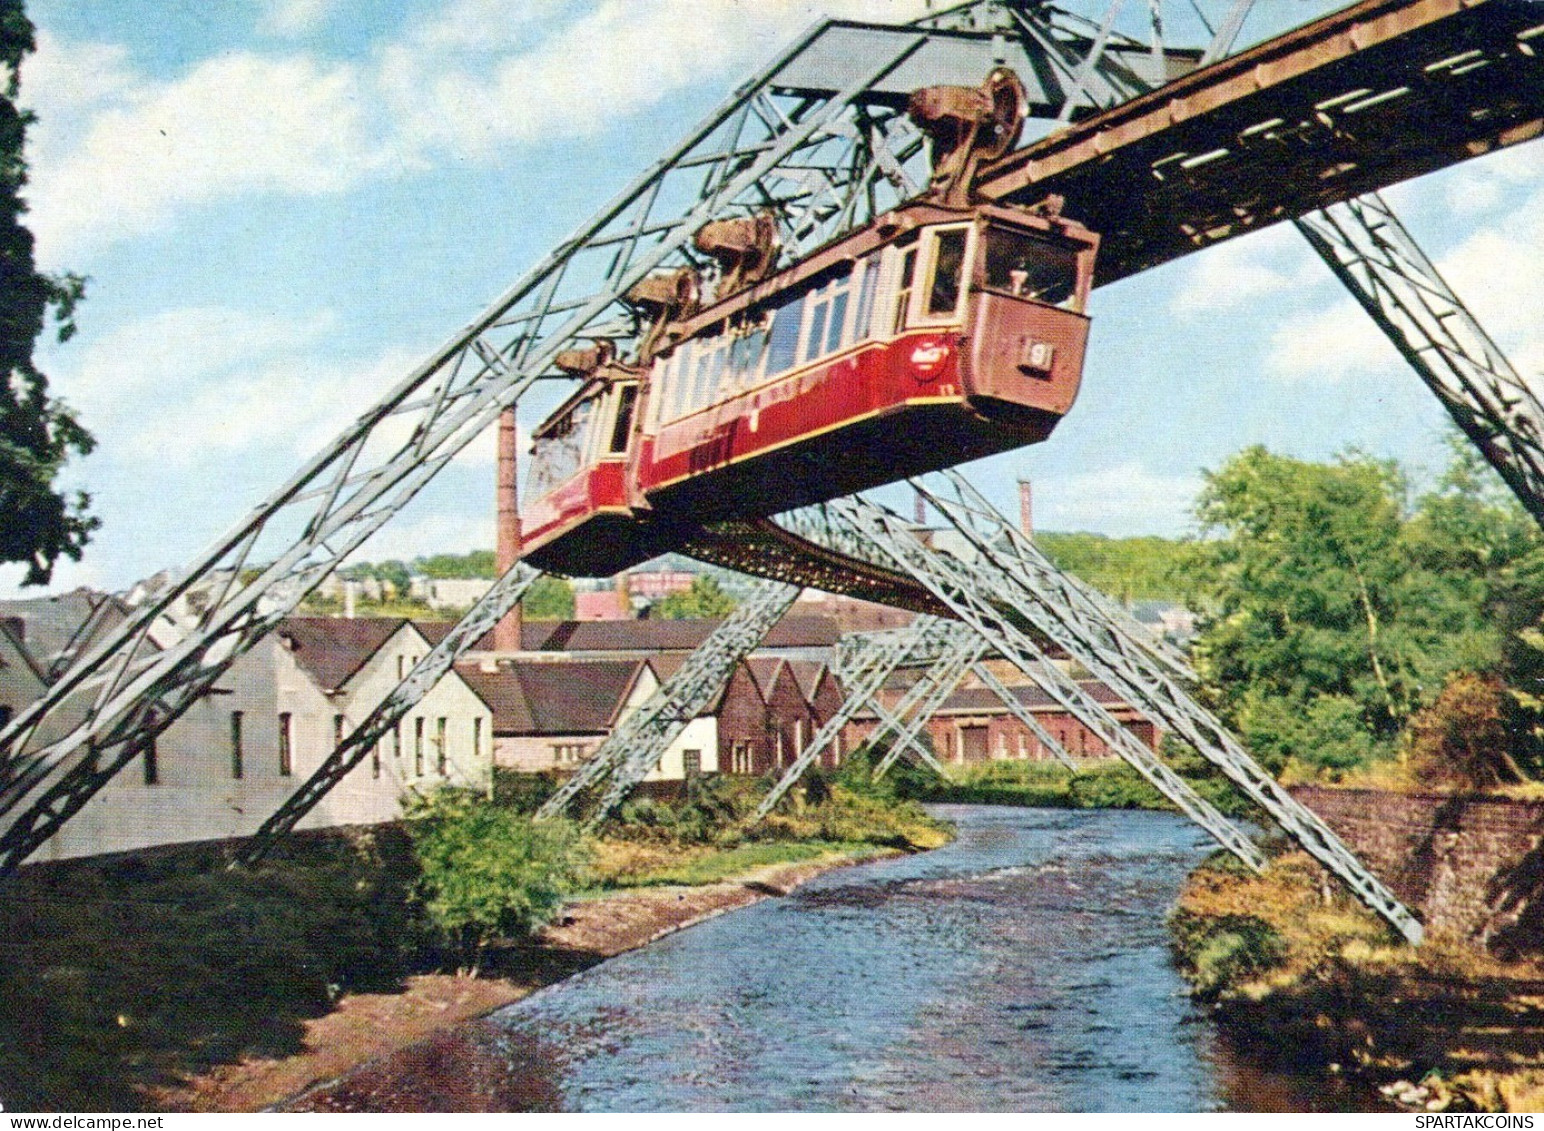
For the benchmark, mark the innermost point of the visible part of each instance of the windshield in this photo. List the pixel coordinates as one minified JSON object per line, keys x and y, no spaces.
{"x":1030,"y":267}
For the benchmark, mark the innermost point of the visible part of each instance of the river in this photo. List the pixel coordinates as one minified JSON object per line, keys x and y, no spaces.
{"x":1022,"y":968}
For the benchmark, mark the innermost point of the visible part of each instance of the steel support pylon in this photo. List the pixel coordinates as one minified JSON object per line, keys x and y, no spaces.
{"x":889,"y":721}
{"x":819,"y":138}
{"x":1033,"y":594}
{"x":1025,"y":716}
{"x":638,"y":743}
{"x":924,"y":636}
{"x":1386,"y":271}
{"x":924,"y":698}
{"x":489,"y":609}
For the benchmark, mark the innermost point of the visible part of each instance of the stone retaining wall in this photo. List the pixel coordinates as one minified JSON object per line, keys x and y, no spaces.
{"x":1471,"y":867}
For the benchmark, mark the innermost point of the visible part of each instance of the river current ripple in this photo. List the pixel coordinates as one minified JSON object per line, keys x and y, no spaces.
{"x":1023,"y":967}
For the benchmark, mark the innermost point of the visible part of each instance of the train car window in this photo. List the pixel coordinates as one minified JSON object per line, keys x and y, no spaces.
{"x":867,"y":287}
{"x":558,"y":454}
{"x":906,"y":275}
{"x":1025,"y":265}
{"x":626,"y":402}
{"x":838,"y":321}
{"x":943,"y":293}
{"x":783,"y":339}
{"x":828,"y":317}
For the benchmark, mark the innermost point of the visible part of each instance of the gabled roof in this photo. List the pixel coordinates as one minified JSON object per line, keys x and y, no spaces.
{"x":539,"y":697}
{"x":666,"y":635}
{"x":984,"y":700}
{"x":808,"y":673}
{"x":331,"y":650}
{"x":50,"y":624}
{"x":765,"y":669}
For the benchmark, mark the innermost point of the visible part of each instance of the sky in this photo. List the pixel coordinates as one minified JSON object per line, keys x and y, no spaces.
{"x":282,"y":205}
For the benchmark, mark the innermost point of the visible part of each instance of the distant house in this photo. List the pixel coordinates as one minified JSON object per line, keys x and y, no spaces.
{"x":973,"y":725}
{"x":790,"y":722}
{"x":238,"y":753}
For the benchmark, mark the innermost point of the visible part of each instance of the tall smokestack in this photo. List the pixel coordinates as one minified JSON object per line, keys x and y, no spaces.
{"x":1026,"y":509}
{"x":921,"y":509}
{"x":506,"y":634}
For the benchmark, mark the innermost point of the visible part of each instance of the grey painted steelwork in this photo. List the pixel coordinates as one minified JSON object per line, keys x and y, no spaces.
{"x":818,"y":136}
{"x":1024,"y":715}
{"x":889,"y":720}
{"x":502,"y":596}
{"x":924,"y":636}
{"x":868,"y":532}
{"x":1384,"y":268}
{"x":1040,"y":594}
{"x":638,"y":743}
{"x":924,"y":697}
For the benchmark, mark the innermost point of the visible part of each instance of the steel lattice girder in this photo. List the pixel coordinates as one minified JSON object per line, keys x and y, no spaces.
{"x":1024,"y":715}
{"x":489,"y":609}
{"x":894,"y":721}
{"x":638,"y":743}
{"x":1036,"y":589}
{"x":925,"y":635}
{"x":924,"y":697}
{"x":871,"y":530}
{"x":817,"y":135}
{"x":1384,"y":268}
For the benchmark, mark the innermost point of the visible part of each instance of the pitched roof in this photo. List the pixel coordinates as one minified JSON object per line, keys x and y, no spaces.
{"x":541,"y":697}
{"x":981,"y":699}
{"x":331,"y":650}
{"x":50,"y":624}
{"x":808,"y":673}
{"x":765,"y":669}
{"x":666,"y":635}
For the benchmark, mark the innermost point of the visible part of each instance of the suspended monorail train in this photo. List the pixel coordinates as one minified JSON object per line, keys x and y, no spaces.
{"x":931,"y":337}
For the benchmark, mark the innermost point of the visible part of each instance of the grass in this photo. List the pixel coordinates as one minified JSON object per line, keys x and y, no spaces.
{"x":622,"y":864}
{"x":1301,"y":975}
{"x":1108,"y":784}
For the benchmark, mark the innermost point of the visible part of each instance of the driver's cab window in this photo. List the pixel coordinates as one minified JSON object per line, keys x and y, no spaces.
{"x":1030,"y":266}
{"x":941,"y":268}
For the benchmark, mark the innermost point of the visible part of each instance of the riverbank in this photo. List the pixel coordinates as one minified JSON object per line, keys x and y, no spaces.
{"x":1302,"y":978}
{"x":367,"y":1027}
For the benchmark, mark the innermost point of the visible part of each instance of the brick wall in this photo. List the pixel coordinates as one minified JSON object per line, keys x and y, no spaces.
{"x":1471,"y":867}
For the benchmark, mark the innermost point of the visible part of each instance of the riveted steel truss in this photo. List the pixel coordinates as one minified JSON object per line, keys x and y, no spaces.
{"x":819,"y":138}
{"x":925,"y":636}
{"x":639,"y":741}
{"x":1383,"y":267}
{"x":1024,"y":715}
{"x":1042,"y":605}
{"x":925,"y":696}
{"x":889,"y":539}
{"x":491,"y":608}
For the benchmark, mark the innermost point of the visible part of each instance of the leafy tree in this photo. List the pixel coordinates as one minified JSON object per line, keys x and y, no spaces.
{"x":489,"y":872}
{"x":1462,"y":738}
{"x":37,"y":432}
{"x":478,"y":563}
{"x":1128,"y":569}
{"x":705,"y":599}
{"x":549,"y":598}
{"x":395,"y":574}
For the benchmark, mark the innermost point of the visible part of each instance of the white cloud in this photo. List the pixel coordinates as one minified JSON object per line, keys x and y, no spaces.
{"x":121,"y":152}
{"x":1246,"y":271}
{"x":295,"y":17}
{"x":237,"y":124}
{"x":1122,"y":500}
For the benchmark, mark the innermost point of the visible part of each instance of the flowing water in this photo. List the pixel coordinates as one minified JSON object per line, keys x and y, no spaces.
{"x":1023,"y":967}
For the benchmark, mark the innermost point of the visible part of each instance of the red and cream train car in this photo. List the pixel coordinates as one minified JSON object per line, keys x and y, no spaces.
{"x":931,"y":337}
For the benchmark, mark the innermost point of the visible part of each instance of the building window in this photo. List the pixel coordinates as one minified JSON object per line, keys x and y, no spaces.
{"x":401,"y":667}
{"x":236,"y":767}
{"x":152,"y":763}
{"x":5,"y":715}
{"x":691,"y":764}
{"x":477,"y":738}
{"x":441,"y":755}
{"x":286,"y":745}
{"x":337,"y":731}
{"x":798,"y":736}
{"x":567,"y":753}
{"x":418,"y":747}
{"x":375,"y":759}
{"x":396,"y":742}
{"x":778,"y":747}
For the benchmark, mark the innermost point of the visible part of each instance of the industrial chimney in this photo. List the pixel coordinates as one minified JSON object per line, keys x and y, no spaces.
{"x":506,"y":634}
{"x":1026,"y":509}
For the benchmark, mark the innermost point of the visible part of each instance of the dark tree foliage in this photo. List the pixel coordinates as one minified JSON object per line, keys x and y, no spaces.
{"x":37,"y":432}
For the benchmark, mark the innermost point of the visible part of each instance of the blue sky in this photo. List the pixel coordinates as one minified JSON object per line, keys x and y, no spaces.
{"x":283,"y":204}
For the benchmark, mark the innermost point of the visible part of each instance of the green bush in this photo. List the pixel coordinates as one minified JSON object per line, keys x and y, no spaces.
{"x":1218,"y":953}
{"x":490,"y":872}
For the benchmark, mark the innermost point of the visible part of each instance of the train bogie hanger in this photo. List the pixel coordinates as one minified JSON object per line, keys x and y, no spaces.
{"x":939,"y":333}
